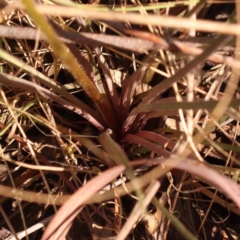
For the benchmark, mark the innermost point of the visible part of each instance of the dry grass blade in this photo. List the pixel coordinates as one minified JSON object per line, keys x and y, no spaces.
{"x":174,"y":220}
{"x":61,"y":222}
{"x":30,"y":196}
{"x":205,"y":172}
{"x":147,"y":42}
{"x":31,"y":229}
{"x":160,"y":88}
{"x":70,"y":37}
{"x":217,"y":199}
{"x":189,"y":46}
{"x":164,"y":21}
{"x":215,"y":57}
{"x":139,"y":209}
{"x":165,"y":107}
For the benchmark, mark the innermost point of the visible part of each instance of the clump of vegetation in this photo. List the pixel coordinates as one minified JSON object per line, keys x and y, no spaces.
{"x":119,"y":120}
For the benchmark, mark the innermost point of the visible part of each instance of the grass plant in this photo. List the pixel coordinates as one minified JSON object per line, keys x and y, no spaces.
{"x":119,"y":120}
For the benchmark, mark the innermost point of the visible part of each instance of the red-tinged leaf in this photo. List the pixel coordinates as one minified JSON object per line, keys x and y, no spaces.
{"x":147,"y":144}
{"x":149,"y":116}
{"x":127,"y":124}
{"x":139,"y":123}
{"x":133,"y":120}
{"x":159,"y":139}
{"x":61,"y":222}
{"x":81,"y":108}
{"x":171,"y":108}
{"x":202,"y":170}
{"x":129,"y":88}
{"x":109,"y":87}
